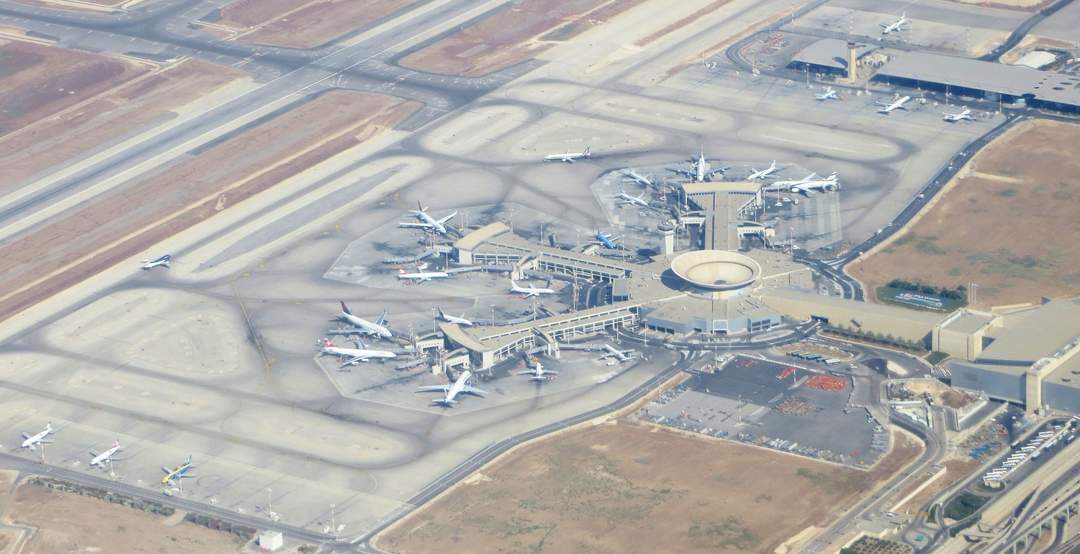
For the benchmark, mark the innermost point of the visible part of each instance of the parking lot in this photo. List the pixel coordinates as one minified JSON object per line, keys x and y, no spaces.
{"x":777,"y":406}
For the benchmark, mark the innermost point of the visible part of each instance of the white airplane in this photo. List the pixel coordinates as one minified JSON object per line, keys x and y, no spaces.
{"x":627,"y":200}
{"x":806,"y":185}
{"x":569,"y":157}
{"x":763,"y":173}
{"x":954,"y":117}
{"x":895,"y":26}
{"x":105,"y":457}
{"x":700,"y":170}
{"x":451,"y":390}
{"x":30,"y":442}
{"x":363,"y":326}
{"x":538,"y":373}
{"x":529,"y":292}
{"x":620,"y":355}
{"x":356,"y":355}
{"x":163,"y":261}
{"x":454,"y":319}
{"x":896,"y":104}
{"x":828,"y":94}
{"x":422,"y":276}
{"x":638,"y":178}
{"x":426,"y":221}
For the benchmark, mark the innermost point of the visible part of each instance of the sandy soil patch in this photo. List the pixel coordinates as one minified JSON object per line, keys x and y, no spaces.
{"x":1010,"y":224}
{"x":638,"y":488}
{"x":955,"y":471}
{"x":69,"y":522}
{"x":92,"y":238}
{"x":109,"y":116}
{"x":305,"y":23}
{"x":38,"y":81}
{"x":940,"y":392}
{"x":511,"y":34}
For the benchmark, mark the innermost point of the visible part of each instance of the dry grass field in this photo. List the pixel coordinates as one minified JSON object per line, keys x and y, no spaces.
{"x":66,"y":523}
{"x":637,"y":488}
{"x":511,"y":34}
{"x":1010,"y":223}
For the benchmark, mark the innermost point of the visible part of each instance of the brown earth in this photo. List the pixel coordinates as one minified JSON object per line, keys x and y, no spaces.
{"x":955,"y":471}
{"x":1010,"y":223}
{"x":637,"y":488}
{"x":87,"y":240}
{"x":511,"y":34}
{"x":109,"y":116}
{"x":305,"y":23}
{"x":67,"y":522}
{"x":38,"y":81}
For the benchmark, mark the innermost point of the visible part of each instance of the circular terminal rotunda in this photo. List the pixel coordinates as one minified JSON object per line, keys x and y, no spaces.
{"x":716,"y":270}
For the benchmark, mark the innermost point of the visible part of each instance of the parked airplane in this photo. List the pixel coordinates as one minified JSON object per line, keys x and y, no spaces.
{"x":620,"y":355}
{"x":529,"y":292}
{"x":639,"y":178}
{"x":806,"y":185}
{"x":896,"y":104}
{"x":569,"y":157}
{"x":363,"y":326}
{"x":755,"y":174}
{"x":177,"y":473}
{"x":30,"y":442}
{"x":960,"y":116}
{"x":627,"y":200}
{"x":700,"y":169}
{"x":163,"y":261}
{"x":538,"y":373}
{"x":426,"y":221}
{"x":454,"y":319}
{"x":422,"y":276}
{"x":828,"y":94}
{"x":895,"y":26}
{"x":606,"y":240}
{"x":451,"y":390}
{"x":352,"y":356}
{"x":105,"y":457}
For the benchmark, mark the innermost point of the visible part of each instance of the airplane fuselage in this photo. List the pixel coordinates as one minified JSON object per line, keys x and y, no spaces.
{"x":373,"y":328}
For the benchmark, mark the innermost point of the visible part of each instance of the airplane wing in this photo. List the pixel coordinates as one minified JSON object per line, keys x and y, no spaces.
{"x":447,"y":218}
{"x":434,"y":388}
{"x":473,"y":390}
{"x":353,"y":331}
{"x":382,"y":319}
{"x":414,"y":224}
{"x":26,"y":435}
{"x":353,"y":361}
{"x":166,"y":470}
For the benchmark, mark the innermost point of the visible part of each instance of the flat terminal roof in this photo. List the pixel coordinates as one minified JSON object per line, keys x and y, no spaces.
{"x":1012,"y":80}
{"x":830,"y":52}
{"x":481,"y":235}
{"x":969,"y":322}
{"x":928,"y":319}
{"x":1027,"y":336}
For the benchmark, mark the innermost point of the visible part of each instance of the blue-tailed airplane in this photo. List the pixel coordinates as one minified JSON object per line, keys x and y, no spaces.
{"x":177,"y":473}
{"x":163,"y":261}
{"x":608,"y":241}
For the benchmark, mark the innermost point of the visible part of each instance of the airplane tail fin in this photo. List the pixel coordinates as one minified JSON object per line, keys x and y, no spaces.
{"x":420,"y":206}
{"x":344,"y":308}
{"x":587,"y":151}
{"x":188,"y":460}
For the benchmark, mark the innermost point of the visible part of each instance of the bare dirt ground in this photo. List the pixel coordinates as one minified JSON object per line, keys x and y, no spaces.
{"x":682,"y":22}
{"x":955,"y":471}
{"x":1030,"y":43}
{"x":1010,"y":223}
{"x":89,"y":239}
{"x":305,"y":23}
{"x":511,"y":34}
{"x":637,"y":488}
{"x":940,"y":392}
{"x":38,"y":81}
{"x":69,"y":522}
{"x":108,"y":116}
